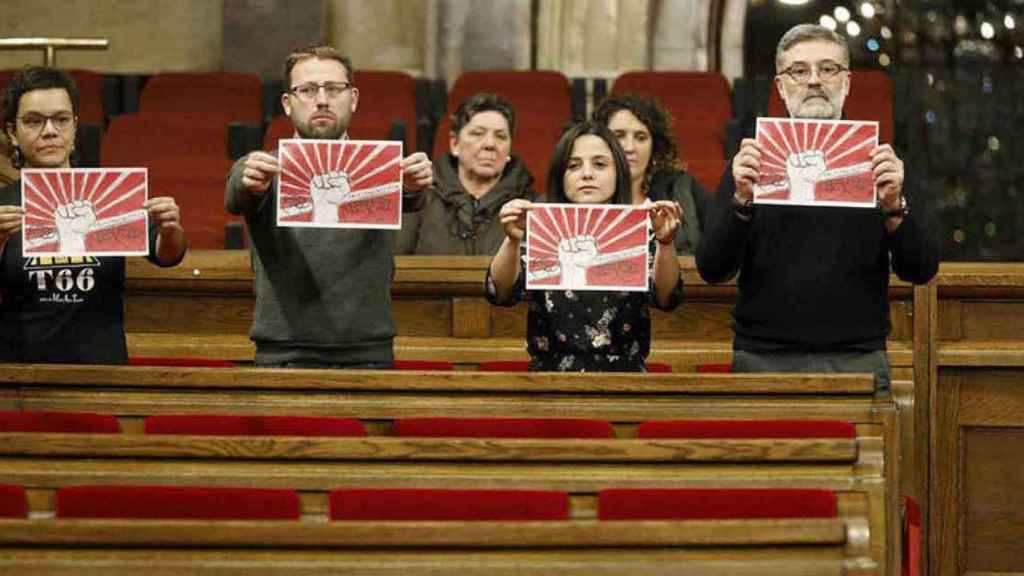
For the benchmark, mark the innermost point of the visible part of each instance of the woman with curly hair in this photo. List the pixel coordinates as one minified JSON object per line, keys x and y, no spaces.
{"x":644,"y":130}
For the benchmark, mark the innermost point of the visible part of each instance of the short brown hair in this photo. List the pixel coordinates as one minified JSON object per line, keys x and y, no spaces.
{"x":805,"y":33}
{"x":652,"y":114}
{"x":319,"y":51}
{"x":483,"y":102}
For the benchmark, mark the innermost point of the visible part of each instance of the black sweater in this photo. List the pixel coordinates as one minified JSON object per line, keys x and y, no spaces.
{"x":811,"y":278}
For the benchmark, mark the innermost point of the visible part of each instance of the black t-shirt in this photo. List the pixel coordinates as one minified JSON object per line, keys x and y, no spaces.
{"x":61,"y":310}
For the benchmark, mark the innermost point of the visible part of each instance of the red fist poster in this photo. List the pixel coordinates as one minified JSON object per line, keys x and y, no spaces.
{"x":339,"y":184}
{"x":587,"y":247}
{"x":816,"y":162}
{"x":84,"y":212}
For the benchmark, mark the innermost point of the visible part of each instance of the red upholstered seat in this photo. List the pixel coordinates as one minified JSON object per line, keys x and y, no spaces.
{"x":722,"y":368}
{"x":746,"y":429}
{"x":193,"y":362}
{"x":424,"y":365}
{"x":238,"y":96}
{"x":429,"y":504}
{"x":253,"y":425}
{"x":911,"y":538}
{"x":870,"y":98}
{"x":23,"y":421}
{"x":700,"y":104}
{"x":13,"y":502}
{"x":658,"y":367}
{"x":543,"y":104}
{"x":386,"y":97}
{"x":181,"y":502}
{"x":503,"y":428}
{"x":706,"y":504}
{"x":279,"y":128}
{"x":504,"y":366}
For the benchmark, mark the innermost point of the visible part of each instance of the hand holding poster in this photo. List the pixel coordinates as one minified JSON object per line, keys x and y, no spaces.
{"x":339,"y":184}
{"x":816,"y":162}
{"x":85,"y":212}
{"x":587,"y":247}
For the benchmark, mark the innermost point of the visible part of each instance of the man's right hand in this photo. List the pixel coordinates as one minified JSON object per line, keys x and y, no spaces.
{"x":746,"y":169}
{"x":259,"y":171}
{"x":10,"y":221}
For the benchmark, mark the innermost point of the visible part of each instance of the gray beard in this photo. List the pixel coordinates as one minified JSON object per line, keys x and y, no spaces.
{"x":816,"y":110}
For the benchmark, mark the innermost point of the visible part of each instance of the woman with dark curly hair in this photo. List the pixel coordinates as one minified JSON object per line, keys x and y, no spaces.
{"x":644,"y":130}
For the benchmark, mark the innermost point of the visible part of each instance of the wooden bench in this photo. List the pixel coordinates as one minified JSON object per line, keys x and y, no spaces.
{"x":203,"y":308}
{"x":866,"y":483}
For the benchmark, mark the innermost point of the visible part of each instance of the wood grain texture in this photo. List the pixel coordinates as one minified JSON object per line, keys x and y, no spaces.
{"x":155,"y":562}
{"x":382,"y":380}
{"x":429,"y":449}
{"x":944,"y":478}
{"x":992,"y":524}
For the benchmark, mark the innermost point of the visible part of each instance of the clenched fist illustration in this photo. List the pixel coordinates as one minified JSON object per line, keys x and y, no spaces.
{"x":575,"y":255}
{"x":804,"y":169}
{"x":74,"y":220}
{"x":328,"y":191}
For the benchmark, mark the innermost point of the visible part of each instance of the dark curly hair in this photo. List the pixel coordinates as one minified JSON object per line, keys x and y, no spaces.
{"x":26,"y":80}
{"x":664,"y":151}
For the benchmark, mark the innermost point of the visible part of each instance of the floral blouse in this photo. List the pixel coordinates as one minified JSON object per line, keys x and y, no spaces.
{"x":586,"y":331}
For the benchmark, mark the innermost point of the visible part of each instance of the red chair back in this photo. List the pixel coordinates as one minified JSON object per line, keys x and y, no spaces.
{"x":177,"y":502}
{"x":746,"y":429}
{"x":502,"y":428}
{"x":232,"y":95}
{"x":707,"y":504}
{"x":221,"y":425}
{"x":429,"y":504}
{"x":13,"y":502}
{"x":66,"y":422}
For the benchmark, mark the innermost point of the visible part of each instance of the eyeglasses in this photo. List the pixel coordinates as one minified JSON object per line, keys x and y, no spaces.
{"x":310,"y":90}
{"x":61,"y":121}
{"x":801,"y":71}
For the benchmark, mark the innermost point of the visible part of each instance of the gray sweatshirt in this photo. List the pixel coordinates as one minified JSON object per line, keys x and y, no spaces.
{"x":322,"y":295}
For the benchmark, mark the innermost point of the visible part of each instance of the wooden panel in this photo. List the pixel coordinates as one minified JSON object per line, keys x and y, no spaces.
{"x":188,"y":314}
{"x":471,"y":318}
{"x":695,"y":321}
{"x":944,"y":478}
{"x":950,"y":320}
{"x":993,"y":519}
{"x":993,"y":320}
{"x":428,"y":317}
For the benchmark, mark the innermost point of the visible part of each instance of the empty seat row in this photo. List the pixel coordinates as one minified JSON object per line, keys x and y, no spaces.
{"x":223,"y":503}
{"x":206,"y":424}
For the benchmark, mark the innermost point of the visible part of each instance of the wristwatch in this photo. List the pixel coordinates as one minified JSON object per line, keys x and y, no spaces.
{"x":900,"y":212}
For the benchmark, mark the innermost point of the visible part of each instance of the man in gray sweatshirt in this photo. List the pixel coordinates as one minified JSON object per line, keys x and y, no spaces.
{"x":323,"y":296}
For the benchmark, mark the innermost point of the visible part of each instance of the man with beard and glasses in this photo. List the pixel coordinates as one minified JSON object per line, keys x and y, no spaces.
{"x":323,"y":296}
{"x":813,"y":281}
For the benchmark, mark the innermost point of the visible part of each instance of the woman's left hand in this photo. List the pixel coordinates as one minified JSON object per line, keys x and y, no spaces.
{"x":165,"y":213}
{"x":666,"y":216}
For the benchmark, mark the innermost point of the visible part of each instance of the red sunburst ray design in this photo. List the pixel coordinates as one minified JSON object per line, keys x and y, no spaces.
{"x":587,"y":247}
{"x":829,"y":160}
{"x":85,"y":212}
{"x":369,"y":172}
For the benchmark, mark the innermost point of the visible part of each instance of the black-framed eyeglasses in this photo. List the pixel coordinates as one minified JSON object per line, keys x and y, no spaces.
{"x":801,"y":72}
{"x":33,"y":122}
{"x":310,"y":90}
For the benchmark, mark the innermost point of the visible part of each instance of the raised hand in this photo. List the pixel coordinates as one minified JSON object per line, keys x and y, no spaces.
{"x":10,"y":221}
{"x":803,"y":170}
{"x":328,"y":191}
{"x":513,"y":218}
{"x":575,"y":255}
{"x":746,"y":169}
{"x":74,"y":220}
{"x":417,"y":172}
{"x":259,"y":171}
{"x":666,"y":217}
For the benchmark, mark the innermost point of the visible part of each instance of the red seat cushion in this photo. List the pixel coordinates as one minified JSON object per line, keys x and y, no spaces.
{"x":911,"y":538}
{"x":746,"y":429}
{"x":58,"y":422}
{"x":180,"y":502}
{"x":697,"y":504}
{"x":504,"y":366}
{"x":714,"y":368}
{"x":253,"y":425}
{"x":13,"y":502}
{"x":503,"y":428}
{"x":428,"y":504}
{"x":423,"y":365}
{"x":161,"y":361}
{"x":658,"y":367}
